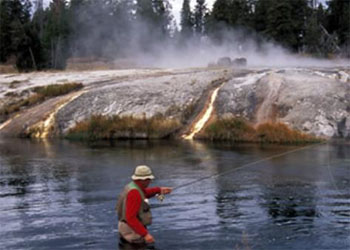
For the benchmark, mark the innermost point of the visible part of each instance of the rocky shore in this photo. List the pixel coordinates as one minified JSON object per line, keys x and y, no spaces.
{"x":315,"y":101}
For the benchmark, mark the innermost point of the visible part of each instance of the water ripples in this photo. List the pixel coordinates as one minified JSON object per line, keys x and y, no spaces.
{"x":66,"y":199}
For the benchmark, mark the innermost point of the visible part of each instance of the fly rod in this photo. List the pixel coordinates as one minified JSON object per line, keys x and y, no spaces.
{"x":161,"y":197}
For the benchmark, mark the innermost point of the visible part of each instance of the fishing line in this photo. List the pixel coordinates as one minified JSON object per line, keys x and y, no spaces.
{"x":328,"y":166}
{"x":248,"y":164}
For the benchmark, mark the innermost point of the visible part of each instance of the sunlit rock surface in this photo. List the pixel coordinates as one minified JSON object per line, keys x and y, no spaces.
{"x":165,"y":95}
{"x":142,"y":93}
{"x":14,"y":87}
{"x":313,"y":100}
{"x":316,"y":101}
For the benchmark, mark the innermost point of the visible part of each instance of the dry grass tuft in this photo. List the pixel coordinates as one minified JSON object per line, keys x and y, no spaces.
{"x":14,"y":84}
{"x":39,"y":96}
{"x":281,"y":133}
{"x":238,"y":130}
{"x":100,"y":127}
{"x":57,"y":89}
{"x":7,"y":69}
{"x":229,"y":129}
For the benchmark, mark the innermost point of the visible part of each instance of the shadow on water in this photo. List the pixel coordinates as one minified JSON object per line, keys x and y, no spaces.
{"x":61,"y":195}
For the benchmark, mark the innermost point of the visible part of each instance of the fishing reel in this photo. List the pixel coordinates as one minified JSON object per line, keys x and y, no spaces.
{"x":160,"y":197}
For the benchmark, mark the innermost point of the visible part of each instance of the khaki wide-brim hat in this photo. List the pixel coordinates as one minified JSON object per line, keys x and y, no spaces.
{"x":142,"y":172}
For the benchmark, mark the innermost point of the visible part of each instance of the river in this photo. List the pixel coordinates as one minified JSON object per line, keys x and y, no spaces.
{"x":61,"y":195}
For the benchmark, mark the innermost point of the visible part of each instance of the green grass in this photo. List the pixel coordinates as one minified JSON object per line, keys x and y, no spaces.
{"x":99,"y":127}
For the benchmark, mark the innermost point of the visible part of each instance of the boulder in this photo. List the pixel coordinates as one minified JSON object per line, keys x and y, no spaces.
{"x":239,"y":62}
{"x":224,"y":62}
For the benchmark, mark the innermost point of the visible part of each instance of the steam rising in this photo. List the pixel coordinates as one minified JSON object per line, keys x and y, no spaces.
{"x":199,"y":53}
{"x":127,"y":39}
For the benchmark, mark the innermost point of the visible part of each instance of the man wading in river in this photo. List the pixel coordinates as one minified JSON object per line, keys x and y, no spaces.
{"x":133,"y":210}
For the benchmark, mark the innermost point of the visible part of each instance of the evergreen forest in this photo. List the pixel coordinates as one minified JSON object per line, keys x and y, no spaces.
{"x":34,"y":37}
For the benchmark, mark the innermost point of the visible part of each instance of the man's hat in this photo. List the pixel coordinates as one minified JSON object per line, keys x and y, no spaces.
{"x":142,"y":172}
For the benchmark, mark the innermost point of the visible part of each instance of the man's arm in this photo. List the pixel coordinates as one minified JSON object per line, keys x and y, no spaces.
{"x":150,"y":192}
{"x":133,"y":204}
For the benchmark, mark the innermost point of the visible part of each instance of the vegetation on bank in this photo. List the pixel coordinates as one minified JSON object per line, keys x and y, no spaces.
{"x":238,"y":130}
{"x":99,"y":127}
{"x":40,"y":95}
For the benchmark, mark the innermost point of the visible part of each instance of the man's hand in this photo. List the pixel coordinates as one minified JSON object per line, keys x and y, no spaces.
{"x":149,"y":238}
{"x":165,"y":190}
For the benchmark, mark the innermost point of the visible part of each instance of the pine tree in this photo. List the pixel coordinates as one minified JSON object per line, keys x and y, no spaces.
{"x":78,"y":23}
{"x":285,"y":22}
{"x":219,"y":20}
{"x":261,"y":12}
{"x":37,"y":31}
{"x":222,"y":11}
{"x":16,"y":37}
{"x":38,"y":18}
{"x":280,"y":23}
{"x":145,"y":12}
{"x":56,"y":33}
{"x":321,"y":15}
{"x":5,"y":30}
{"x":153,"y":23}
{"x":339,"y":20}
{"x":313,"y":33}
{"x":145,"y":26}
{"x":186,"y":20}
{"x":92,"y":27}
{"x":163,"y":17}
{"x":299,"y":14}
{"x":239,"y":13}
{"x":123,"y":27}
{"x":228,"y":15}
{"x":199,"y":17}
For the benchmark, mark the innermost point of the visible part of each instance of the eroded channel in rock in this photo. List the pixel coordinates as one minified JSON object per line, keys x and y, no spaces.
{"x":204,"y":115}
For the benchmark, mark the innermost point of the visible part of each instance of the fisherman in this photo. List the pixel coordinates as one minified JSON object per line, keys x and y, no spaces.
{"x":133,"y":210}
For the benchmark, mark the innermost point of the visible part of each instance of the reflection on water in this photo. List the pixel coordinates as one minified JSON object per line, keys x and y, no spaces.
{"x":61,"y":195}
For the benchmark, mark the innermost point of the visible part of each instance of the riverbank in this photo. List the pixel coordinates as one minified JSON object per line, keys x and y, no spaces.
{"x":158,"y":127}
{"x":299,"y":104}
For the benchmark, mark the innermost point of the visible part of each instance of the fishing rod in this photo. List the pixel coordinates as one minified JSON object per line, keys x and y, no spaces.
{"x":161,"y":197}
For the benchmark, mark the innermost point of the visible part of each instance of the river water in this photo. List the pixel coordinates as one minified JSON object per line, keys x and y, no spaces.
{"x":61,"y":195}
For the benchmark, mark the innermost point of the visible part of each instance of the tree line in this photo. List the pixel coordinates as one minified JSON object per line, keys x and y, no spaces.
{"x":34,"y":37}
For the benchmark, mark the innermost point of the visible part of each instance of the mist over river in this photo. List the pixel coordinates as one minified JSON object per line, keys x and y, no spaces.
{"x":61,"y":195}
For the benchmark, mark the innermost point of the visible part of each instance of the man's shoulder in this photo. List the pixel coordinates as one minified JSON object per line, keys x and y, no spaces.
{"x":134,"y":193}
